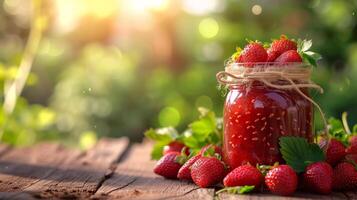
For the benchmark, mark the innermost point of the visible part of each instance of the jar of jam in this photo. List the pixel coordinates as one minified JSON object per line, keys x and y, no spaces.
{"x":257,"y":115}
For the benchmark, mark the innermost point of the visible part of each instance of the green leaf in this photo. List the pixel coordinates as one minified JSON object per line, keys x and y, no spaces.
{"x":309,"y":59}
{"x":206,"y":125}
{"x":202,"y":127}
{"x":237,"y":189}
{"x":354,"y":129}
{"x":167,"y":134}
{"x":298,"y":153}
{"x":315,"y":56}
{"x":337,"y":130}
{"x":308,"y":56}
{"x":162,"y":137}
{"x":188,"y":139}
{"x":156,"y":152}
{"x":306,"y":45}
{"x":236,"y":54}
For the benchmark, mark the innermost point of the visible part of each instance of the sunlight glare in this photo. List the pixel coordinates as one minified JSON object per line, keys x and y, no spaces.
{"x":69,"y":12}
{"x":139,"y":6}
{"x":202,"y":7}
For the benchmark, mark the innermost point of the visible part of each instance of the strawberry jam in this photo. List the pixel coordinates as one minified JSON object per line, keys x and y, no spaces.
{"x":255,"y":116}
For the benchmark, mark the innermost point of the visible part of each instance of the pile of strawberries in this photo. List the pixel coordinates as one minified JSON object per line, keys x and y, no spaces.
{"x":338,"y":171}
{"x":282,"y":50}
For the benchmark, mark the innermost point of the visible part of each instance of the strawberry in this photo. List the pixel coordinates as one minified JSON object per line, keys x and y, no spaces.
{"x":185,"y":171}
{"x":175,"y":146}
{"x":281,"y":180}
{"x":272,"y":55}
{"x":243,"y":175}
{"x":353,"y":145}
{"x":352,"y":158}
{"x":207,"y":171}
{"x":216,"y":149}
{"x":289,"y":56}
{"x":252,"y":53}
{"x":282,"y":45}
{"x":345,"y":177}
{"x":318,"y":177}
{"x":335,"y":150}
{"x":168,"y":166}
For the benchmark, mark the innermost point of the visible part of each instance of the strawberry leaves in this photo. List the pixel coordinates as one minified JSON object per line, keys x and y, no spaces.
{"x":237,"y":189}
{"x":308,"y":56}
{"x":205,"y":130}
{"x":162,"y":137}
{"x":339,"y":129}
{"x":298,"y":153}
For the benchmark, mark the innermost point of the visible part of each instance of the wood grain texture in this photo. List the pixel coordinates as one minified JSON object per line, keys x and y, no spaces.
{"x":134,"y":179}
{"x":51,"y":171}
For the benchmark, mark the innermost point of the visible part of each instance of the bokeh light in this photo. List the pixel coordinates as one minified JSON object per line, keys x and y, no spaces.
{"x":208,"y":27}
{"x":257,"y":10}
{"x":117,"y":67}
{"x":169,"y":116}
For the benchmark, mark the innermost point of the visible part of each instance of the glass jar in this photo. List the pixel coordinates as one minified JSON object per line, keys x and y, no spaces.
{"x":256,"y":116}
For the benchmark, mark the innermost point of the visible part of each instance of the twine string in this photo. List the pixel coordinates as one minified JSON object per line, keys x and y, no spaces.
{"x":297,"y":77}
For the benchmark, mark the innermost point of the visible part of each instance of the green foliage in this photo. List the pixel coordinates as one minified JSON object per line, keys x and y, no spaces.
{"x":340,"y":130}
{"x":27,"y":124}
{"x":206,"y":130}
{"x":100,"y":81}
{"x":162,"y":137}
{"x":298,"y":153}
{"x":308,"y":56}
{"x":237,"y":189}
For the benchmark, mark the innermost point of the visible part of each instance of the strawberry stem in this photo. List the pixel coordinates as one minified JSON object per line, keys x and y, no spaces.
{"x":345,"y":123}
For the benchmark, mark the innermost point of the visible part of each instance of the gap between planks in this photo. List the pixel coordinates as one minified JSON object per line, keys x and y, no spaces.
{"x":133,"y":179}
{"x":53,"y":171}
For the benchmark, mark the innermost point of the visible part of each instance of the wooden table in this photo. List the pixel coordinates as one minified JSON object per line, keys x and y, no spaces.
{"x":113,"y":169}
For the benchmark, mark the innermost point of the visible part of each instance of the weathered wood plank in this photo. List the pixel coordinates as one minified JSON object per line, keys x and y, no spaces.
{"x":52,"y":171}
{"x":17,"y":195}
{"x":134,"y":179}
{"x":22,"y":167}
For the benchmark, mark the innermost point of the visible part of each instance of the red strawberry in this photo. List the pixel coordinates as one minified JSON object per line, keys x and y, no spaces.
{"x":335,"y":150}
{"x":175,"y":146}
{"x":207,"y":171}
{"x":216,"y":149}
{"x":281,"y":180}
{"x":272,"y":55}
{"x":351,"y":158}
{"x":345,"y":177}
{"x":353,"y":145}
{"x":185,"y":171}
{"x":289,"y":56}
{"x":168,"y":165}
{"x":243,"y":175}
{"x":252,"y":53}
{"x":318,"y":177}
{"x":282,"y":45}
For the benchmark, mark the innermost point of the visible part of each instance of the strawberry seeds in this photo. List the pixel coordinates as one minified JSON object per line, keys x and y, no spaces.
{"x":267,"y":142}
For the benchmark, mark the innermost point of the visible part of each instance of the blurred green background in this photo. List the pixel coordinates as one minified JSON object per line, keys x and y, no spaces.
{"x":117,"y":67}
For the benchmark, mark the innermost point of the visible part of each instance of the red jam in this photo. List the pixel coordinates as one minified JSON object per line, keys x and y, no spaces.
{"x":255,"y":116}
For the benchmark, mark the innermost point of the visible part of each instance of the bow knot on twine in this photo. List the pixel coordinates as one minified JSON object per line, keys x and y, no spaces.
{"x":295,"y":77}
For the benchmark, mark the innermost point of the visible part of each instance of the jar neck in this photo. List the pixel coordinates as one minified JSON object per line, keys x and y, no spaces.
{"x":260,"y":84}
